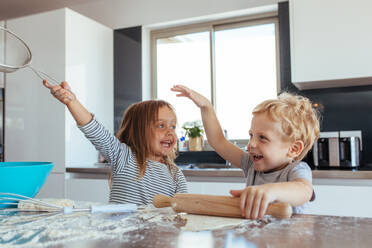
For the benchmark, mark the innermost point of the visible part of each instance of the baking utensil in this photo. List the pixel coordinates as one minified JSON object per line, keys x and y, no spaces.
{"x":15,"y":54}
{"x":41,"y":206}
{"x":226,"y":206}
{"x":23,"y":178}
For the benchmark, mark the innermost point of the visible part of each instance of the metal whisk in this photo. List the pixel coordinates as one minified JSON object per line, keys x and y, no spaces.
{"x":11,"y":199}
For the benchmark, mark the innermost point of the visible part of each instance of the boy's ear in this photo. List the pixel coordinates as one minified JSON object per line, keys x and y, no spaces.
{"x":296,"y":148}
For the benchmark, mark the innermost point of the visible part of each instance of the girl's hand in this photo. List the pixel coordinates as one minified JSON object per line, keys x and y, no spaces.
{"x":198,"y":99}
{"x":62,"y":92}
{"x":254,"y":200}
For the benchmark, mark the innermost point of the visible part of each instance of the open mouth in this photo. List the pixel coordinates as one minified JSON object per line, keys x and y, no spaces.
{"x":166,"y":143}
{"x":256,"y":157}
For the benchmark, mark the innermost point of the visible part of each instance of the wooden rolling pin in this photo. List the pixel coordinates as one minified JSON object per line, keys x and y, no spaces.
{"x":227,"y":206}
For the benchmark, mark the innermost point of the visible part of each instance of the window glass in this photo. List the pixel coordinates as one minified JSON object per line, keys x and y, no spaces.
{"x":184,"y":59}
{"x":245,"y":74}
{"x":244,"y":67}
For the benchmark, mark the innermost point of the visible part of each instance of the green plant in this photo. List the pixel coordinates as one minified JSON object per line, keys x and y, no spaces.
{"x":193,"y":129}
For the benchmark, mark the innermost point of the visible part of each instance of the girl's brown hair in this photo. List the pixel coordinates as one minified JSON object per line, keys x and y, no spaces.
{"x":136,"y":131}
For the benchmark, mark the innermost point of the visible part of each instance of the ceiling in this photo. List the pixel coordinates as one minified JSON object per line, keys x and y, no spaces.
{"x":15,"y":8}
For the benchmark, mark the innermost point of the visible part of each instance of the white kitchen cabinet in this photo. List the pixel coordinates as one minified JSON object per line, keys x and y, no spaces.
{"x":213,"y":188}
{"x":342,"y":201}
{"x":97,"y":189}
{"x":342,"y":197}
{"x":67,"y":46}
{"x":54,"y":186}
{"x":93,"y":190}
{"x":331,"y":43}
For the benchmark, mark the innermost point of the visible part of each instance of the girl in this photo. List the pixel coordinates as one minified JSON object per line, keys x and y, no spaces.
{"x":142,"y":153}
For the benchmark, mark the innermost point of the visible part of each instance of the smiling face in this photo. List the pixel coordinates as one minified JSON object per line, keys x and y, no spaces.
{"x":267,"y":148}
{"x":164,"y":134}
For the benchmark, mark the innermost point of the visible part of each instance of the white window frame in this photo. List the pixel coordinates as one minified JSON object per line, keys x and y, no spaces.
{"x":211,"y":27}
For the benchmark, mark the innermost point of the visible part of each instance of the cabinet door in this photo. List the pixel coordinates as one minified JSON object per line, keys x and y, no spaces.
{"x":330,"y":40}
{"x":54,"y":186}
{"x":342,"y":201}
{"x":93,"y":190}
{"x":213,"y":188}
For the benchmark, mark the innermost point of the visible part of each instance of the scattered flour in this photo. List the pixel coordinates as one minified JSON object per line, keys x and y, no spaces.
{"x":201,"y":222}
{"x":194,"y":223}
{"x":58,"y":202}
{"x":45,"y":230}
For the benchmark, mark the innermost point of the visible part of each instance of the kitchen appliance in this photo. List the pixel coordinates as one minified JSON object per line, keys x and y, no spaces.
{"x":326,"y":149}
{"x":338,"y":149}
{"x":215,"y":205}
{"x":350,"y":148}
{"x":15,"y":54}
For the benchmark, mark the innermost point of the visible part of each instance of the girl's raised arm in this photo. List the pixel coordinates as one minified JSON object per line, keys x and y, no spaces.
{"x":101,"y":138}
{"x":64,"y":94}
{"x":212,"y":126}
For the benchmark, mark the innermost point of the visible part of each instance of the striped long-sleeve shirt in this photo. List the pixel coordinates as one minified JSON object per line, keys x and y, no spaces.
{"x":126,"y":185}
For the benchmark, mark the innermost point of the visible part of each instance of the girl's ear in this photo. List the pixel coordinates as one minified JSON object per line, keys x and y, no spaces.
{"x":296,"y":148}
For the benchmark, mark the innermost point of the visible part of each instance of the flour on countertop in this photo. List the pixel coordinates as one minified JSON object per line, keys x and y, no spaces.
{"x":193,"y":222}
{"x":44,"y":230}
{"x":26,"y":204}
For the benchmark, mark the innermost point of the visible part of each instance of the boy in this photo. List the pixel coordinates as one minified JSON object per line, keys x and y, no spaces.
{"x":282,"y":131}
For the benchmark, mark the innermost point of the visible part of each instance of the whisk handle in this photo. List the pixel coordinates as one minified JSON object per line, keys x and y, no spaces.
{"x":114,"y":208}
{"x":68,"y":210}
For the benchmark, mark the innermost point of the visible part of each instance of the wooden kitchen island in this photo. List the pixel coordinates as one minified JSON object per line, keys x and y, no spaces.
{"x":160,"y":228}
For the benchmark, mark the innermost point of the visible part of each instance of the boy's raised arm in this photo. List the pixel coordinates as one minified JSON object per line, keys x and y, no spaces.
{"x":64,"y":94}
{"x":212,"y":127}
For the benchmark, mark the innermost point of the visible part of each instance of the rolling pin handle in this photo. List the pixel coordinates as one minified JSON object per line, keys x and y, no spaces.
{"x":162,"y":201}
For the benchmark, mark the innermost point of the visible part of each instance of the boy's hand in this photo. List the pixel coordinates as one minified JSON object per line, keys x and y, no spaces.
{"x":254,"y":200}
{"x":62,"y":92}
{"x":198,"y":99}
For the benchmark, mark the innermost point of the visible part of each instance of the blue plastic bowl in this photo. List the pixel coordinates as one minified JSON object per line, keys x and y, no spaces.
{"x":23,"y":178}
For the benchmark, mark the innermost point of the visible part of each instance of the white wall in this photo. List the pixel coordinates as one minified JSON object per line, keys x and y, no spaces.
{"x":2,"y":58}
{"x":1,"y":85}
{"x":34,"y":122}
{"x":89,"y":71}
{"x":69,"y":47}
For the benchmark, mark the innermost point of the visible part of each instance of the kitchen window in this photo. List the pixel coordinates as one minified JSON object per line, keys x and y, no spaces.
{"x":233,"y":63}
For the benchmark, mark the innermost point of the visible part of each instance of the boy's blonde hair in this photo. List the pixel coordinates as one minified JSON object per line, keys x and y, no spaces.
{"x":299,"y":120}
